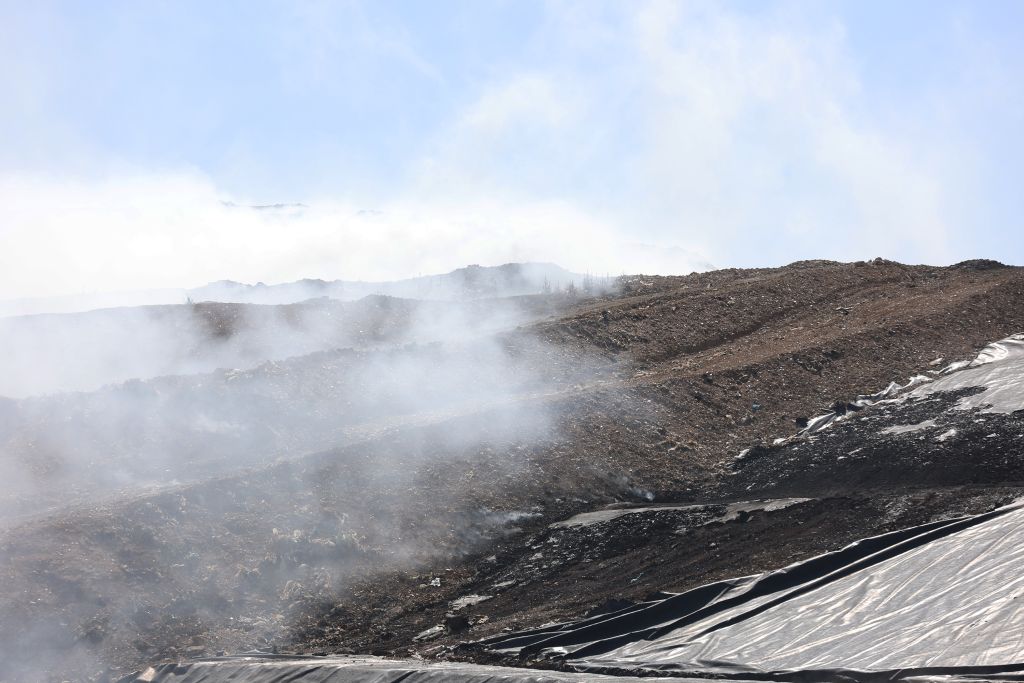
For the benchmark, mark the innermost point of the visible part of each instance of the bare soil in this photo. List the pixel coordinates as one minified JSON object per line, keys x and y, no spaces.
{"x":331,"y":552}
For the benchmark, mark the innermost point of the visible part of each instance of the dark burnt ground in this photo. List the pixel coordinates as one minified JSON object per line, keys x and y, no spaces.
{"x":689,"y":417}
{"x":332,"y":552}
{"x":884,"y":468}
{"x":922,"y":444}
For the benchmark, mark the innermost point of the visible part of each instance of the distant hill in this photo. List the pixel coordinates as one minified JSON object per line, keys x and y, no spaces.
{"x":471,"y":282}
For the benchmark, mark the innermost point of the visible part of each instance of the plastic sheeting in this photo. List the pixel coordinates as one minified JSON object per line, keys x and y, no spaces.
{"x":279,"y":669}
{"x":999,"y":368}
{"x":941,"y":601}
{"x":890,"y":394}
{"x":944,"y":599}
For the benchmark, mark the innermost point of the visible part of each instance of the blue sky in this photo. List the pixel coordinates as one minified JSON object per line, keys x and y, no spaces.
{"x":421,"y":136}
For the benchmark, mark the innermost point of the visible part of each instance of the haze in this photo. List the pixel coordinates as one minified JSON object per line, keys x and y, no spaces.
{"x":386,"y":140}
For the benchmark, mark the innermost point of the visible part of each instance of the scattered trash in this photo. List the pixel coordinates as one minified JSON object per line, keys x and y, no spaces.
{"x":467,"y":600}
{"x":431,"y":633}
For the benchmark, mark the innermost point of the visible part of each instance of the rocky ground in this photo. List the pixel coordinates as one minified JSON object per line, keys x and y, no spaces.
{"x":429,"y":529}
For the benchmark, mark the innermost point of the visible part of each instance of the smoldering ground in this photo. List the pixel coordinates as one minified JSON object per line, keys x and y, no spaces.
{"x":178,"y":515}
{"x":47,"y":354}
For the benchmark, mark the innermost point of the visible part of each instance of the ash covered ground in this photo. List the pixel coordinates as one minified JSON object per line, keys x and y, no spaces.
{"x":457,"y":471}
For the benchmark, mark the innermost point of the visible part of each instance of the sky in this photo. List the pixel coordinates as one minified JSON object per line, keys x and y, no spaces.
{"x":403,"y":138}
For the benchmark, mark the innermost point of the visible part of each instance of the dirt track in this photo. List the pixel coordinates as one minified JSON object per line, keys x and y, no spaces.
{"x":331,"y":552}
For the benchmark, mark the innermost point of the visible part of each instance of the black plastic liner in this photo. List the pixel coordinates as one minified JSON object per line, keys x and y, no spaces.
{"x":281,"y":669}
{"x":944,"y":599}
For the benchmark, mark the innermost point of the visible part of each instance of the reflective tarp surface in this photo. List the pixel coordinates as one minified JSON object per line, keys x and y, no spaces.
{"x":271,"y":669}
{"x":946,"y":599}
{"x":999,"y":368}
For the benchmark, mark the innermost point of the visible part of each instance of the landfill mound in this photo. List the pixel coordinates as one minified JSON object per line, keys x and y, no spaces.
{"x":932,"y":601}
{"x":412,"y":502}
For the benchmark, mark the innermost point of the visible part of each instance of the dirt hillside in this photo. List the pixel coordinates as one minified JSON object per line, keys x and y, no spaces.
{"x":427,"y":525}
